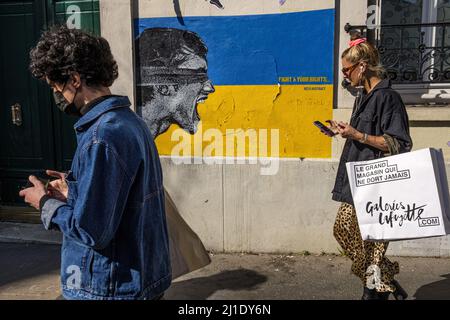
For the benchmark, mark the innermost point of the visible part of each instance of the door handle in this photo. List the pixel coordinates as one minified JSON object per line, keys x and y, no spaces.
{"x":16,"y":114}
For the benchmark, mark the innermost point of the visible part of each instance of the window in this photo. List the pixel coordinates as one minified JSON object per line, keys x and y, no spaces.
{"x":413,"y":37}
{"x":414,"y":40}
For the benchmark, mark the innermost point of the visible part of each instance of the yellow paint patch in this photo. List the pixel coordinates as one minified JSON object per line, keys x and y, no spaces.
{"x":291,"y":109}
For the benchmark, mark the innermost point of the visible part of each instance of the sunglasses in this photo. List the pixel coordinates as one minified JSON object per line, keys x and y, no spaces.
{"x":349,"y":70}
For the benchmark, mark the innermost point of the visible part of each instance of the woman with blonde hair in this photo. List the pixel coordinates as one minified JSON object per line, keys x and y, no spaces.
{"x":378,"y":127}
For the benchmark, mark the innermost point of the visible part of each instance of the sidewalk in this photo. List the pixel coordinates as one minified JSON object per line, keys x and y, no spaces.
{"x":31,"y":271}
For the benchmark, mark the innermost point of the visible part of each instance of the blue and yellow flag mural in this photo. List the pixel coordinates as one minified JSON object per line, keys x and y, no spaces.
{"x":268,"y":68}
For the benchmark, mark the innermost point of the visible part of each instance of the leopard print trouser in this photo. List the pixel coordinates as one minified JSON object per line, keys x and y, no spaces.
{"x":369,"y":262}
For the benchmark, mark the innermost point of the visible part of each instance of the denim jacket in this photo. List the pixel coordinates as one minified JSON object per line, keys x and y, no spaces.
{"x":115,"y":244}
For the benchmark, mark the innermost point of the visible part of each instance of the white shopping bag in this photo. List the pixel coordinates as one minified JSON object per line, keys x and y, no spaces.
{"x":401,"y":197}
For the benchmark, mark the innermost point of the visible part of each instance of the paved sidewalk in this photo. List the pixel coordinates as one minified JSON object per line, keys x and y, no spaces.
{"x":31,"y":271}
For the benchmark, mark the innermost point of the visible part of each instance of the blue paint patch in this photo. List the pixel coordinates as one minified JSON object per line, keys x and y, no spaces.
{"x":262,"y":49}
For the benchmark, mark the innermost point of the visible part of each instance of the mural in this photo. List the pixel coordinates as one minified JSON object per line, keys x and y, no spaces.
{"x":254,"y":68}
{"x":172,"y":78}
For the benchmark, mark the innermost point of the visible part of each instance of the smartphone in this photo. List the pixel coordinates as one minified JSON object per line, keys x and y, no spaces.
{"x":324,"y":128}
{"x":42,"y":176}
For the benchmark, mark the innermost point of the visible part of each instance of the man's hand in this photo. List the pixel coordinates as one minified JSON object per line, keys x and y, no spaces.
{"x":34,"y":194}
{"x":58,"y":188}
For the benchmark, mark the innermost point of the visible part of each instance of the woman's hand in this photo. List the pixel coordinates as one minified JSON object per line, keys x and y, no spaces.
{"x":333,"y":125}
{"x":348,"y":132}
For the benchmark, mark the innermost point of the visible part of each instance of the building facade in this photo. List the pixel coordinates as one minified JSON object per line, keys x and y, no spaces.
{"x":254,"y":174}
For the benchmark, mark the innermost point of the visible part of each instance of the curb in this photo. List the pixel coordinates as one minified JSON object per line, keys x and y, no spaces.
{"x":28,"y":233}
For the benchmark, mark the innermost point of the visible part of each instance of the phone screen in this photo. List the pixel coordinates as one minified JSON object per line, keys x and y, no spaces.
{"x":324,"y":128}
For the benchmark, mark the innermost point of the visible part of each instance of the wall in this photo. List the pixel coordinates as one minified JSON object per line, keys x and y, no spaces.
{"x":116,"y":26}
{"x":233,"y":207}
{"x":257,"y":53}
{"x":264,"y":74}
{"x":355,"y":13}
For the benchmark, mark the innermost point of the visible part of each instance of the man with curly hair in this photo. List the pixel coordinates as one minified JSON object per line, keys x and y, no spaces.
{"x":110,"y":206}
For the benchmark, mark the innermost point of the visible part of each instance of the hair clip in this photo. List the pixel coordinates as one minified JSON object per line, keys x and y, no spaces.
{"x":357,"y":41}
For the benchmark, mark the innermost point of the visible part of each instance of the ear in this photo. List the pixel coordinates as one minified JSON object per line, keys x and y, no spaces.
{"x":363,"y":67}
{"x":76,"y":79}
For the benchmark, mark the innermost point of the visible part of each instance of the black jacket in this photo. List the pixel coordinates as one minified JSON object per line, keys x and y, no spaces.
{"x":381,"y":113}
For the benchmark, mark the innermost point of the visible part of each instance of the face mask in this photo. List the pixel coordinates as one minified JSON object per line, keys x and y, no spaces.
{"x":63,"y":105}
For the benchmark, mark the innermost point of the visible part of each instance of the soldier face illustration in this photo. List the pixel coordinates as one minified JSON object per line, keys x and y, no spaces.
{"x":173,"y":83}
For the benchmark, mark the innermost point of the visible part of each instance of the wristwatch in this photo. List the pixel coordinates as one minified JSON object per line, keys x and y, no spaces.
{"x":364,"y":139}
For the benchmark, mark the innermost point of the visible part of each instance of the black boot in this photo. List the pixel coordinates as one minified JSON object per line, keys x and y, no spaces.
{"x":369,"y":294}
{"x":399,"y":293}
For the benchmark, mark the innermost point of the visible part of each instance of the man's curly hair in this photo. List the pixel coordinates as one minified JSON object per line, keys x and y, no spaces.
{"x":61,"y":51}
